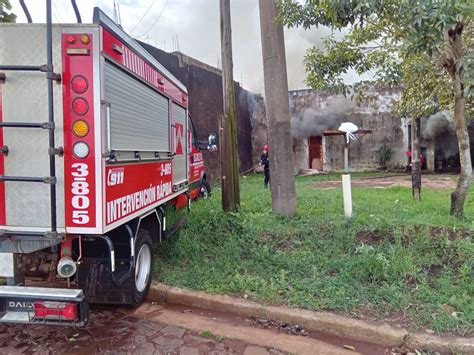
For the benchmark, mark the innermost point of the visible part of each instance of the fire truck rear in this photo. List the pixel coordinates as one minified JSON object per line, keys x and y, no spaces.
{"x":96,"y":145}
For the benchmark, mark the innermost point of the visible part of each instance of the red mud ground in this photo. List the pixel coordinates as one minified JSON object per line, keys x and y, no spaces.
{"x":427,"y":181}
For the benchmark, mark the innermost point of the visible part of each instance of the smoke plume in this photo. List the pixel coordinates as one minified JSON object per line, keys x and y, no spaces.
{"x":311,"y":121}
{"x":440,"y":129}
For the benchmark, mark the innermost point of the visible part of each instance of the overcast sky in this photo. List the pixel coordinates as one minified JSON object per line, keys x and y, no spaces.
{"x":192,"y":26}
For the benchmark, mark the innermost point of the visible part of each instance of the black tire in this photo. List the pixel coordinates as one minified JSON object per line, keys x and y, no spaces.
{"x":140,"y":283}
{"x":205,"y":190}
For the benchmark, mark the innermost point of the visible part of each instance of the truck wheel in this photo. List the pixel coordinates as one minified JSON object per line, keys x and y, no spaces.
{"x":205,"y":190}
{"x":143,"y":267}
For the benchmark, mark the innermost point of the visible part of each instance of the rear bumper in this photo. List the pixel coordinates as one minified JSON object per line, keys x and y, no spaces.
{"x":32,"y":305}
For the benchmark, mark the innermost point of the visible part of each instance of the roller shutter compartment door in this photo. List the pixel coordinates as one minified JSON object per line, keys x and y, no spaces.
{"x":180,"y":148}
{"x":139,"y":115}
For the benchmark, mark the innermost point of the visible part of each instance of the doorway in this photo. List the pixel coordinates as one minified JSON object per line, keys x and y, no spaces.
{"x":315,"y":152}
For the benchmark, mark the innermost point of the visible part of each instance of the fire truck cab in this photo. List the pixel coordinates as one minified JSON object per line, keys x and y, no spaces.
{"x":96,"y":144}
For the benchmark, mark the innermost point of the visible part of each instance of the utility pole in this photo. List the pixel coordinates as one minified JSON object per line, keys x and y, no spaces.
{"x":228,"y":131}
{"x":278,"y":110}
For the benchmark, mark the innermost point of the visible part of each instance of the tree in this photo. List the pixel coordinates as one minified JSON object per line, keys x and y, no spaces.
{"x":4,"y":15}
{"x":418,"y":46}
{"x":452,"y":59}
{"x":425,"y":89}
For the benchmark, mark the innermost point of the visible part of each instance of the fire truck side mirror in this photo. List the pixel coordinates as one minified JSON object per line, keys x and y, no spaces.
{"x":212,"y":142}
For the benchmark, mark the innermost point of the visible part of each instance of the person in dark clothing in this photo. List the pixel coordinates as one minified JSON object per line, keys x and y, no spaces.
{"x":266,"y":165}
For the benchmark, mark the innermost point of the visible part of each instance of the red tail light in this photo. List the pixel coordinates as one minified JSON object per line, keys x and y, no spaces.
{"x":80,"y":106}
{"x":71,"y":39}
{"x":79,"y":84}
{"x":58,"y":310}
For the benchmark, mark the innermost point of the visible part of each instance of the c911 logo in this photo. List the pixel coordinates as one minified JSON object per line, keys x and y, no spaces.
{"x":115,"y":176}
{"x":80,"y":193}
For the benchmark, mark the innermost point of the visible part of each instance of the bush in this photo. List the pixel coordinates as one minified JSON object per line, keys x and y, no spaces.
{"x":384,"y":155}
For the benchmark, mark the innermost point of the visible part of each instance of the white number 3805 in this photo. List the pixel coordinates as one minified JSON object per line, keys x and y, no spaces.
{"x":80,"y":191}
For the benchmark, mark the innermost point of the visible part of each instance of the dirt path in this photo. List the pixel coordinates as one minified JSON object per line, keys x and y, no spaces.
{"x":171,"y":329}
{"x":428,"y":181}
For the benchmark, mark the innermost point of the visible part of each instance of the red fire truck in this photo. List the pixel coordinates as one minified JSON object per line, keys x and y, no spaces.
{"x":96,"y":146}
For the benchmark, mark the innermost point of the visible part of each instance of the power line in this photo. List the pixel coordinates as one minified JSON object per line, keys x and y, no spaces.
{"x":54,"y":14}
{"x":141,"y":19}
{"x":58,"y":17}
{"x":119,"y":15}
{"x":177,"y":42}
{"x":156,"y":21}
{"x":115,"y":12}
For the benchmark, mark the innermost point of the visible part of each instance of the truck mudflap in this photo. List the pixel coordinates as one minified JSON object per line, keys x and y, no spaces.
{"x":38,"y":305}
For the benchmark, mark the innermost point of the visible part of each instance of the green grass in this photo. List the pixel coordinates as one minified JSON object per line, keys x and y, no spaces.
{"x":206,"y":334}
{"x":397,"y":259}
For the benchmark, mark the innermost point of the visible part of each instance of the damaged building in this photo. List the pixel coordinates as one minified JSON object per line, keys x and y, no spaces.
{"x":439,"y":142}
{"x":313,"y":112}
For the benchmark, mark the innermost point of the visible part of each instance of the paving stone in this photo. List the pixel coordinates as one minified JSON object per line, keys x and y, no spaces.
{"x":140,"y":339}
{"x":276,"y":352}
{"x":186,"y":350}
{"x":220,"y":346}
{"x":153,"y":326}
{"x":160,"y":340}
{"x":145,"y":349}
{"x":9,"y":350}
{"x":148,"y":332}
{"x":168,"y":344}
{"x":173,"y":331}
{"x":218,"y":352}
{"x":255,"y":350}
{"x":202,"y":340}
{"x":174,"y":343}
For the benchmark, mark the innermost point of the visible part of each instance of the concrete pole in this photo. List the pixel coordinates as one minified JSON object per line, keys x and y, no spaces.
{"x":346,"y":157}
{"x":229,"y":158}
{"x":282,"y":179}
{"x":346,"y":182}
{"x":347,"y":194}
{"x":415,"y":160}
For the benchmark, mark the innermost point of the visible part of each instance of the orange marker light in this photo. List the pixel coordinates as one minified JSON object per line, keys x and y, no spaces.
{"x":80,"y":128}
{"x":85,"y":39}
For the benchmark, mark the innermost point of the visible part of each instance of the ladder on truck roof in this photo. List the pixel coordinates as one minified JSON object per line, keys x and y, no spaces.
{"x":49,"y":125}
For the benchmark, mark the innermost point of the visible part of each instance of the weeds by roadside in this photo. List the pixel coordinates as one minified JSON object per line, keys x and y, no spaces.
{"x":406,"y":262}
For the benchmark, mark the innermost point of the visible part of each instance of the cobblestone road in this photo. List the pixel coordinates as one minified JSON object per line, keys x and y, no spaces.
{"x":116,"y":332}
